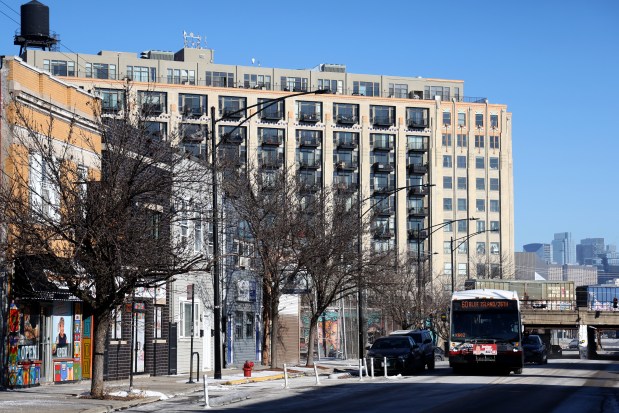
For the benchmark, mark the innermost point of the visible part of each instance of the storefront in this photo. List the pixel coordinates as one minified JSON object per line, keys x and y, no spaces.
{"x":45,"y":329}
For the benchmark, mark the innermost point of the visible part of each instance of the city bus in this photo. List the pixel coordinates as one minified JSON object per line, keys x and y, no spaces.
{"x":485,"y":331}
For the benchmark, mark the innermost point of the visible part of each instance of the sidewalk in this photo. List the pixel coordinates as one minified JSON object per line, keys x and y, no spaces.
{"x":56,"y":398}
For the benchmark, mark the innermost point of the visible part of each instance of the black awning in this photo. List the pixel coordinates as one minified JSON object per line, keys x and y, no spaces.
{"x":33,"y":278}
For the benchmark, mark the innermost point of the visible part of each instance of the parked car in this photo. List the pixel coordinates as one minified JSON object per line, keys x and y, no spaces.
{"x":439,"y":354}
{"x":573,"y":344}
{"x":534,"y":349}
{"x":423,"y":338}
{"x":402,"y":355}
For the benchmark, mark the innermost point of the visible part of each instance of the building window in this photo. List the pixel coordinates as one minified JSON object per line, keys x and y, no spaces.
{"x":447,"y":161}
{"x":494,"y":184}
{"x":479,"y":141}
{"x":463,"y":247}
{"x":495,"y":248}
{"x":494,"y":205}
{"x":249,"y":325}
{"x":44,"y":187}
{"x":398,"y":90}
{"x":494,"y":225}
{"x":462,"y":119}
{"x":417,"y":117}
{"x":187,"y":330}
{"x":252,"y":81}
{"x":481,"y":248}
{"x":308,"y":111}
{"x":494,"y":163}
{"x":481,"y":225}
{"x":461,"y":204}
{"x":112,"y":100}
{"x":448,"y":225}
{"x":493,"y":142}
{"x":345,"y":113}
{"x":269,"y":111}
{"x":192,"y":106}
{"x":143,"y":74}
{"x":181,"y":77}
{"x":100,"y":71}
{"x":232,"y":107}
{"x":294,"y":84}
{"x":238,"y":324}
{"x":446,"y":139}
{"x":479,"y":162}
{"x":219,"y":79}
{"x":494,"y":121}
{"x":155,"y":224}
{"x":447,"y":247}
{"x":116,"y":330}
{"x":447,"y":267}
{"x":382,"y":115}
{"x":461,"y":182}
{"x":333,"y":86}
{"x":446,"y":118}
{"x":365,"y":88}
{"x":431,"y":92}
{"x":461,"y":140}
{"x":447,"y":182}
{"x":480,"y":184}
{"x":479,"y":120}
{"x":461,"y":161}
{"x":157,"y":321}
{"x":59,"y":67}
{"x":462,"y":268}
{"x":157,"y":131}
{"x":197,"y":233}
{"x":416,"y":142}
{"x":153,"y":103}
{"x":447,"y":204}
{"x":480,"y":205}
{"x":463,"y":226}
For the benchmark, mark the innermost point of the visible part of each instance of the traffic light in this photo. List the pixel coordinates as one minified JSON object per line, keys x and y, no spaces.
{"x":615,"y":302}
{"x":443,"y":317}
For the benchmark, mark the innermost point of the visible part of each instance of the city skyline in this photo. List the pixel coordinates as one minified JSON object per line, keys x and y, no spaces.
{"x":533,"y":68}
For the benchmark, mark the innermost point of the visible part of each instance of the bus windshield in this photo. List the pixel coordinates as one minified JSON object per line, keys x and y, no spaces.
{"x":479,"y":320}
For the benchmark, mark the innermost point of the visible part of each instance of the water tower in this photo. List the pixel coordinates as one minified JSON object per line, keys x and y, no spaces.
{"x":34,"y":27}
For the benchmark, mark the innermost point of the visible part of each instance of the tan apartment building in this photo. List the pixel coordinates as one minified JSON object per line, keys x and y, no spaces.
{"x":378,"y":133}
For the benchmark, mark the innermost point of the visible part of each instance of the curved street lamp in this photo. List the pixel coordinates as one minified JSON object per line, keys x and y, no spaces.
{"x":463,"y":239}
{"x":215,"y":208}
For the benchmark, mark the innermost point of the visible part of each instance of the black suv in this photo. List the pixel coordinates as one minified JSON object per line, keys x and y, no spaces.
{"x":423,"y":338}
{"x":534,"y":349}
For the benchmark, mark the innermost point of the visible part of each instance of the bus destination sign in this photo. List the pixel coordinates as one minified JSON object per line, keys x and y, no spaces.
{"x":484,"y":305}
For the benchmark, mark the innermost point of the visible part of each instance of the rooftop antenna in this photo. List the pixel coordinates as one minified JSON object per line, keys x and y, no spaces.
{"x":192,"y":41}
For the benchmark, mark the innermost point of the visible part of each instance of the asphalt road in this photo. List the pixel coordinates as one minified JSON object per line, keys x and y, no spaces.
{"x":561,"y":386}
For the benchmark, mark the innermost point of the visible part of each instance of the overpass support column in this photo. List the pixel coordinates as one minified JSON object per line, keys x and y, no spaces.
{"x":583,"y":342}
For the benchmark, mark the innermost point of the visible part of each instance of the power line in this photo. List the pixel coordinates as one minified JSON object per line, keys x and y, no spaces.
{"x":10,"y":8}
{"x":9,"y":17}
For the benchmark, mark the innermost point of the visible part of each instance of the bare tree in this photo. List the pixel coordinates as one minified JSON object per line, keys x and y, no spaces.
{"x":94,"y":203}
{"x":493,"y":266}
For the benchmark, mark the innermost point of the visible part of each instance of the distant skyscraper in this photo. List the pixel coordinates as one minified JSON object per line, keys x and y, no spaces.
{"x":563,"y":249}
{"x":543,"y":251}
{"x":589,"y":250}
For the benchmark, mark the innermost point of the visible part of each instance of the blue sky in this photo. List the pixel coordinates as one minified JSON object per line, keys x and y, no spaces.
{"x":554,"y":63}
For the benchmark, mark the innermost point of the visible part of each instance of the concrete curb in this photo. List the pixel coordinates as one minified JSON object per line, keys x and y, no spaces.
{"x":122,"y":405}
{"x":253,"y":379}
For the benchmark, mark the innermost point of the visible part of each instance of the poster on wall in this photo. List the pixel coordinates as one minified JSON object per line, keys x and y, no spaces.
{"x":62,"y":331}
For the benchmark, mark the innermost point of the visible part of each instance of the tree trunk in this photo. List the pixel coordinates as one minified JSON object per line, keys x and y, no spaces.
{"x":274,"y":332}
{"x":267,"y":332}
{"x":313,"y":323}
{"x":102,"y":325}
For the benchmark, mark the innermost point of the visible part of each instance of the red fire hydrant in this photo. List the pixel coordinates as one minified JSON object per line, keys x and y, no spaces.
{"x":247,"y":367}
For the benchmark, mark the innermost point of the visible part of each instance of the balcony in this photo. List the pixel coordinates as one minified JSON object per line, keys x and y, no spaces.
{"x":417,"y":234}
{"x":387,"y":189}
{"x":232,"y":113}
{"x":418,"y":169}
{"x":309,"y":163}
{"x":192,"y":112}
{"x":383,"y":121}
{"x":382,"y":233}
{"x":382,"y":146}
{"x":383,"y":167}
{"x":309,"y":187}
{"x":152,"y":109}
{"x":309,"y":142}
{"x":346,"y":119}
{"x":346,"y":187}
{"x":417,"y":147}
{"x":384,"y":211}
{"x":272,"y":140}
{"x":418,"y":212}
{"x":416,"y":124}
{"x":272,"y":115}
{"x":346,"y":144}
{"x":234,"y":139}
{"x":345,"y":166}
{"x":419,"y":191}
{"x":309,"y":117}
{"x":271,"y":163}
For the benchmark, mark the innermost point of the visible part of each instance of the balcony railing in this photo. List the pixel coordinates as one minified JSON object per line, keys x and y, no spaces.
{"x":387,"y":189}
{"x":152,"y":109}
{"x":309,"y":117}
{"x":383,"y":167}
{"x":417,"y":234}
{"x":418,"y":169}
{"x":235,"y":139}
{"x":346,"y":119}
{"x":309,"y":163}
{"x":309,"y":142}
{"x":232,"y":113}
{"x":383,"y":146}
{"x":416,"y":123}
{"x":419,"y":190}
{"x":192,"y":111}
{"x":272,"y":163}
{"x":417,"y":147}
{"x":418,"y":211}
{"x":272,"y":115}
{"x":346,"y":166}
{"x":383,"y":121}
{"x":346,"y":144}
{"x":346,"y":187}
{"x":272,"y":140}
{"x":383,"y":233}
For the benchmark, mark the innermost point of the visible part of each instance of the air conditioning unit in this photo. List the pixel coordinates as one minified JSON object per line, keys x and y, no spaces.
{"x":244,"y":262}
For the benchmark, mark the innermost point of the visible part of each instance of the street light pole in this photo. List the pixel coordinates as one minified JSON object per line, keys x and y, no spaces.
{"x":215,"y":209}
{"x":464,"y":239}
